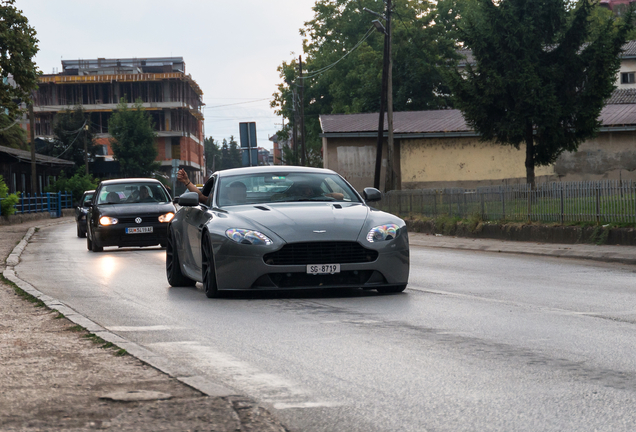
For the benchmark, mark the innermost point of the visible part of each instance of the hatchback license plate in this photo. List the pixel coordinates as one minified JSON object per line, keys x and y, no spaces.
{"x":316,"y":269}
{"x":138,"y":230}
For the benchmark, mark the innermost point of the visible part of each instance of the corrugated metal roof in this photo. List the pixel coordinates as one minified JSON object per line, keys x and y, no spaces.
{"x":623,"y":96}
{"x":24,"y":155}
{"x":444,"y":121}
{"x":403,"y":122}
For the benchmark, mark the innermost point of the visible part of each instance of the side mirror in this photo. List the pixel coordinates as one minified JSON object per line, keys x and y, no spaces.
{"x":175,"y":200}
{"x":189,"y":199}
{"x":87,"y":203}
{"x":372,"y":194}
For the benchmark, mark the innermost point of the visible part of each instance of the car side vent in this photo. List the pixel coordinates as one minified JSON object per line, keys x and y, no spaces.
{"x":338,"y":206}
{"x":262,"y":208}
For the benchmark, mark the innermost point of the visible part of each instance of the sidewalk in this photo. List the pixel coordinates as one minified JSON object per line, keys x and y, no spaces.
{"x":606,"y":253}
{"x":55,"y":378}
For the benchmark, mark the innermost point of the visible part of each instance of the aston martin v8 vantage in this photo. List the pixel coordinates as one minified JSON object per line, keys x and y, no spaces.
{"x":268,"y":228}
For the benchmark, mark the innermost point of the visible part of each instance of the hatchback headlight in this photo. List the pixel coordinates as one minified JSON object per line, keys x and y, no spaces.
{"x":107,"y":220}
{"x":166,"y":217}
{"x":245,"y":236}
{"x":383,"y":232}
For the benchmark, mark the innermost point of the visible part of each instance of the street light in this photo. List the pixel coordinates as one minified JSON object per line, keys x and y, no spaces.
{"x":378,"y":26}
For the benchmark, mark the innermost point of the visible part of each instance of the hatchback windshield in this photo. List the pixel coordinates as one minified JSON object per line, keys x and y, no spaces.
{"x":261,"y":188}
{"x":128,"y":193}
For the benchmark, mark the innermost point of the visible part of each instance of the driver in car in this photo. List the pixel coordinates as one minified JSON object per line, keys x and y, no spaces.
{"x":304,"y":190}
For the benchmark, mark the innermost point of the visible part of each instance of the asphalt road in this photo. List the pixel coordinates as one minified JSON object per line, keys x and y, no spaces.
{"x":478,"y":341}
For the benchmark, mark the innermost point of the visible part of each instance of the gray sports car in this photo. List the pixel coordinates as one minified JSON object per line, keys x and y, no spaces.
{"x":275,"y":227}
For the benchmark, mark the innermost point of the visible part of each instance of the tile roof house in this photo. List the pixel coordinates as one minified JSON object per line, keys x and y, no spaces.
{"x":438,"y":148}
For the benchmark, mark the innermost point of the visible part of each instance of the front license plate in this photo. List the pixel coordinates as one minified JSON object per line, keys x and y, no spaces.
{"x":316,"y":269}
{"x":138,"y":230}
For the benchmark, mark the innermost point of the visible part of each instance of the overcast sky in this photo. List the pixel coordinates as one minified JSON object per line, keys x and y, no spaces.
{"x":231,"y":47}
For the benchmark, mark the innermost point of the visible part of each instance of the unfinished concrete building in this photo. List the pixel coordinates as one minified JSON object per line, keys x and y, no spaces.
{"x":172,"y":98}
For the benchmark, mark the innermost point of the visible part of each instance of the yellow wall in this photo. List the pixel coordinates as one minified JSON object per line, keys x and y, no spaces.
{"x":463,"y":159}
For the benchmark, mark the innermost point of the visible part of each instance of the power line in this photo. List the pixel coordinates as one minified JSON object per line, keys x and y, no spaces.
{"x":238,"y":103}
{"x":326,"y":68}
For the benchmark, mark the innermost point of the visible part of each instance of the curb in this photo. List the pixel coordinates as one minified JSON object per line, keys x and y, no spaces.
{"x":161,"y":363}
{"x":555,"y":251}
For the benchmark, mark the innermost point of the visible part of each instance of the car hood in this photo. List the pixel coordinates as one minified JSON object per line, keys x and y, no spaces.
{"x":135,"y":209}
{"x":299,"y":221}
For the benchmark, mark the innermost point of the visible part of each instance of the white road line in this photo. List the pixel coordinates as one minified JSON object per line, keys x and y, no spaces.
{"x":241,"y":375}
{"x":282,"y":406}
{"x":142,"y":328}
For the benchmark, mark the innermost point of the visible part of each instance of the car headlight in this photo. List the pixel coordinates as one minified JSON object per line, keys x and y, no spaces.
{"x":107,"y":220}
{"x":166,"y":217}
{"x":383,"y":232}
{"x":245,"y":236}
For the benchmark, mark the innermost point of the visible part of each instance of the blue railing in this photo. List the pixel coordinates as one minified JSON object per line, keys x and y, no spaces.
{"x":45,"y":202}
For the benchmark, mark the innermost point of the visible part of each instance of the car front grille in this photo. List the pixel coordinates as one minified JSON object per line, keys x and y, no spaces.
{"x":321,"y":253}
{"x":144,"y":219}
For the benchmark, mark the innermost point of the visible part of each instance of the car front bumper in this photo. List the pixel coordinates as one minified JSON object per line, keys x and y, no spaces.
{"x":115,"y":235}
{"x":241,"y":267}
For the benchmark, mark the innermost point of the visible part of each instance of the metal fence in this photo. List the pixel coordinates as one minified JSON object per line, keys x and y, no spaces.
{"x":590,"y":201}
{"x":44,"y":202}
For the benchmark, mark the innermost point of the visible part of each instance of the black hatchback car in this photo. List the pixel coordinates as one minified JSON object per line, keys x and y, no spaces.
{"x":128,"y":212}
{"x":80,"y":213}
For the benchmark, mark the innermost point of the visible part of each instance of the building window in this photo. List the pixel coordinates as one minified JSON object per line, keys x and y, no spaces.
{"x":627,"y":78}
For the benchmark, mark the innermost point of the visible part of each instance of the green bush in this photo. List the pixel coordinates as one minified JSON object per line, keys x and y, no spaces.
{"x":78,"y":184}
{"x":7,"y":205}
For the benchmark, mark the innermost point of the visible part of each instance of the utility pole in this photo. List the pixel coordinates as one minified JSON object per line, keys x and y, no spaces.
{"x":386,"y":99}
{"x":294,"y":128}
{"x":390,"y":159}
{"x":303,"y":154}
{"x":86,"y":148}
{"x":34,"y":176}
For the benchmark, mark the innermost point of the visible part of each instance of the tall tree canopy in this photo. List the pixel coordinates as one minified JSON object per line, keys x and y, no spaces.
{"x":69,"y":134}
{"x":335,"y":83}
{"x":212,"y":154}
{"x":18,"y":46}
{"x":133,"y":141}
{"x":541,"y":74}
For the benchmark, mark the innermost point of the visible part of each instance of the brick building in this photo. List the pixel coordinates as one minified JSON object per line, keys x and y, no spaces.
{"x":172,"y":98}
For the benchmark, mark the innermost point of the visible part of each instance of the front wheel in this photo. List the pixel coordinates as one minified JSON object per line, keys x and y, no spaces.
{"x":392,"y":289}
{"x":207,"y":268}
{"x":92,"y":245}
{"x":173,"y":268}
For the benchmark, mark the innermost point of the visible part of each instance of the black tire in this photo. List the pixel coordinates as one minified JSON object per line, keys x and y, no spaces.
{"x":207,"y":268}
{"x":79,"y":231}
{"x":392,"y":289}
{"x":93,"y":245}
{"x":89,"y":243}
{"x":173,"y":269}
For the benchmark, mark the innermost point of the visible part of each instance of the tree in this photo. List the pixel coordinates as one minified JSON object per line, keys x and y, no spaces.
{"x":335,"y":83}
{"x":69,"y":133}
{"x":541,"y":76}
{"x":226,"y":163}
{"x":11,"y":134}
{"x":133,"y":141}
{"x":18,"y":46}
{"x":236,"y":158}
{"x":77,"y":184}
{"x":212,"y":151}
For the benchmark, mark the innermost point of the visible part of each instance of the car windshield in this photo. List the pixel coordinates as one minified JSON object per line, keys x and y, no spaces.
{"x":132,"y":193}
{"x":263,"y":188}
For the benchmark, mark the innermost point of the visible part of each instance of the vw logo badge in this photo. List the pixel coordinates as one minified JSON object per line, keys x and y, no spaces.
{"x":138,"y":220}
